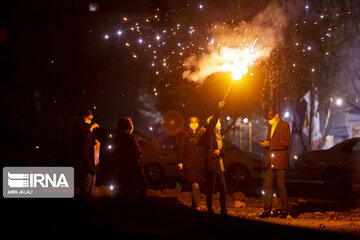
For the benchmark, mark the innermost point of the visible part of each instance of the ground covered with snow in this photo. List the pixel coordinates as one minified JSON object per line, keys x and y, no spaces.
{"x":339,"y":216}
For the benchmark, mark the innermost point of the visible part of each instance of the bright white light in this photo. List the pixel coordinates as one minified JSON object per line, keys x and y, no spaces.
{"x":150,"y":128}
{"x":307,"y":7}
{"x":322,"y":16}
{"x":110,"y":135}
{"x":309,"y":48}
{"x":140,"y":40}
{"x":111,"y":187}
{"x":93,"y":7}
{"x":106,"y":36}
{"x":109,"y":147}
{"x":228,"y":118}
{"x":339,"y":101}
{"x":295,"y":157}
{"x":119,"y":32}
{"x":37,"y":147}
{"x":274,"y":195}
{"x":246,"y":120}
{"x":263,"y":192}
{"x":200,"y":6}
{"x":287,"y":114}
{"x":157,"y":37}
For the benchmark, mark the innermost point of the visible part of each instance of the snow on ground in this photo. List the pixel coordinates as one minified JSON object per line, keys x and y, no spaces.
{"x":312,"y":213}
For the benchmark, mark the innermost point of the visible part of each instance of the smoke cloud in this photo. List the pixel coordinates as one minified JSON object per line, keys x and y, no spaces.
{"x":264,"y":33}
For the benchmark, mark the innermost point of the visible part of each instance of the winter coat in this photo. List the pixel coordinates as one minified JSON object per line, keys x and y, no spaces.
{"x":83,"y":142}
{"x":209,"y":143}
{"x":128,"y":161}
{"x":277,"y":156}
{"x":191,"y":155}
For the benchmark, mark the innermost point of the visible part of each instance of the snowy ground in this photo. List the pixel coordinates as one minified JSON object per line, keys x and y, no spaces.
{"x":330,"y":215}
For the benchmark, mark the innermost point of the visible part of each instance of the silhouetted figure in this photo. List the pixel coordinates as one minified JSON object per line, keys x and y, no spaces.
{"x":191,"y":158}
{"x":212,"y":142}
{"x":277,"y":162}
{"x":128,"y":158}
{"x":83,"y":152}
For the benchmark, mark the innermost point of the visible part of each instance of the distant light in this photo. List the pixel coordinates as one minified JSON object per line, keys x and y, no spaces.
{"x":246,"y":120}
{"x":287,"y":114}
{"x":93,"y":7}
{"x":106,"y":36}
{"x":37,"y":147}
{"x":274,"y":195}
{"x":109,"y":147}
{"x":322,"y":16}
{"x":228,"y":118}
{"x":150,"y":128}
{"x":157,"y":37}
{"x":119,"y":32}
{"x":140,"y":40}
{"x":309,"y":48}
{"x":307,"y":7}
{"x":339,"y":101}
{"x":110,"y":135}
{"x":111,"y":187}
{"x":295,"y":157}
{"x":200,"y":6}
{"x":263,"y":192}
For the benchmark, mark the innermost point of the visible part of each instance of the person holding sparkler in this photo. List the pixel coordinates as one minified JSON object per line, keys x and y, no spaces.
{"x":277,"y":162}
{"x":212,"y":142}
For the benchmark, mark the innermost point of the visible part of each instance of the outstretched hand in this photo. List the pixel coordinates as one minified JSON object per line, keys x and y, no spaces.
{"x":221,"y":104}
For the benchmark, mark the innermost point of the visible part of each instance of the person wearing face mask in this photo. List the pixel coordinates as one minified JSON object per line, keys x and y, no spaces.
{"x":83,"y":150}
{"x":277,"y":163}
{"x":212,"y":142}
{"x":191,"y":158}
{"x":129,"y":162}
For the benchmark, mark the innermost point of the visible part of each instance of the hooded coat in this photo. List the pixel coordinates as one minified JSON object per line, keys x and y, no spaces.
{"x":129,"y":162}
{"x":191,"y":155}
{"x":209,"y":142}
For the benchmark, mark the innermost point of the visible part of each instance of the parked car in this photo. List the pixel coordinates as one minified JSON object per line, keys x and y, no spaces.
{"x":336,"y":167}
{"x":25,"y":156}
{"x":160,"y":160}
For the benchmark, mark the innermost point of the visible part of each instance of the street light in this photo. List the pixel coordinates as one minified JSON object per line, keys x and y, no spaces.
{"x":246,"y":120}
{"x":287,"y":114}
{"x":339,"y":101}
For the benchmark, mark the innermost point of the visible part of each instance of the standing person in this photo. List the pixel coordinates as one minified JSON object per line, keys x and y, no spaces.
{"x":277,"y":162}
{"x":83,"y":146}
{"x":191,"y":158}
{"x":128,"y":156}
{"x":212,"y":142}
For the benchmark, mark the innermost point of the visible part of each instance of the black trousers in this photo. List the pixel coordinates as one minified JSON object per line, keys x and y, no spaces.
{"x":279,"y":175}
{"x":213,"y":179}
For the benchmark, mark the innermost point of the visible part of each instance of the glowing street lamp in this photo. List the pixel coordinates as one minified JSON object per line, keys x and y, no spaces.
{"x":339,"y":101}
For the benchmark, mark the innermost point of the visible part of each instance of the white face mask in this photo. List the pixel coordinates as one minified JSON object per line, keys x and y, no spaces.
{"x":194,"y":126}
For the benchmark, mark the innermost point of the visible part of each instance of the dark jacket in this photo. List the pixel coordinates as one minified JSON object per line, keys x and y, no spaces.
{"x":209,"y":143}
{"x":191,"y":155}
{"x":83,"y":148}
{"x":128,"y":160}
{"x":277,"y":156}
